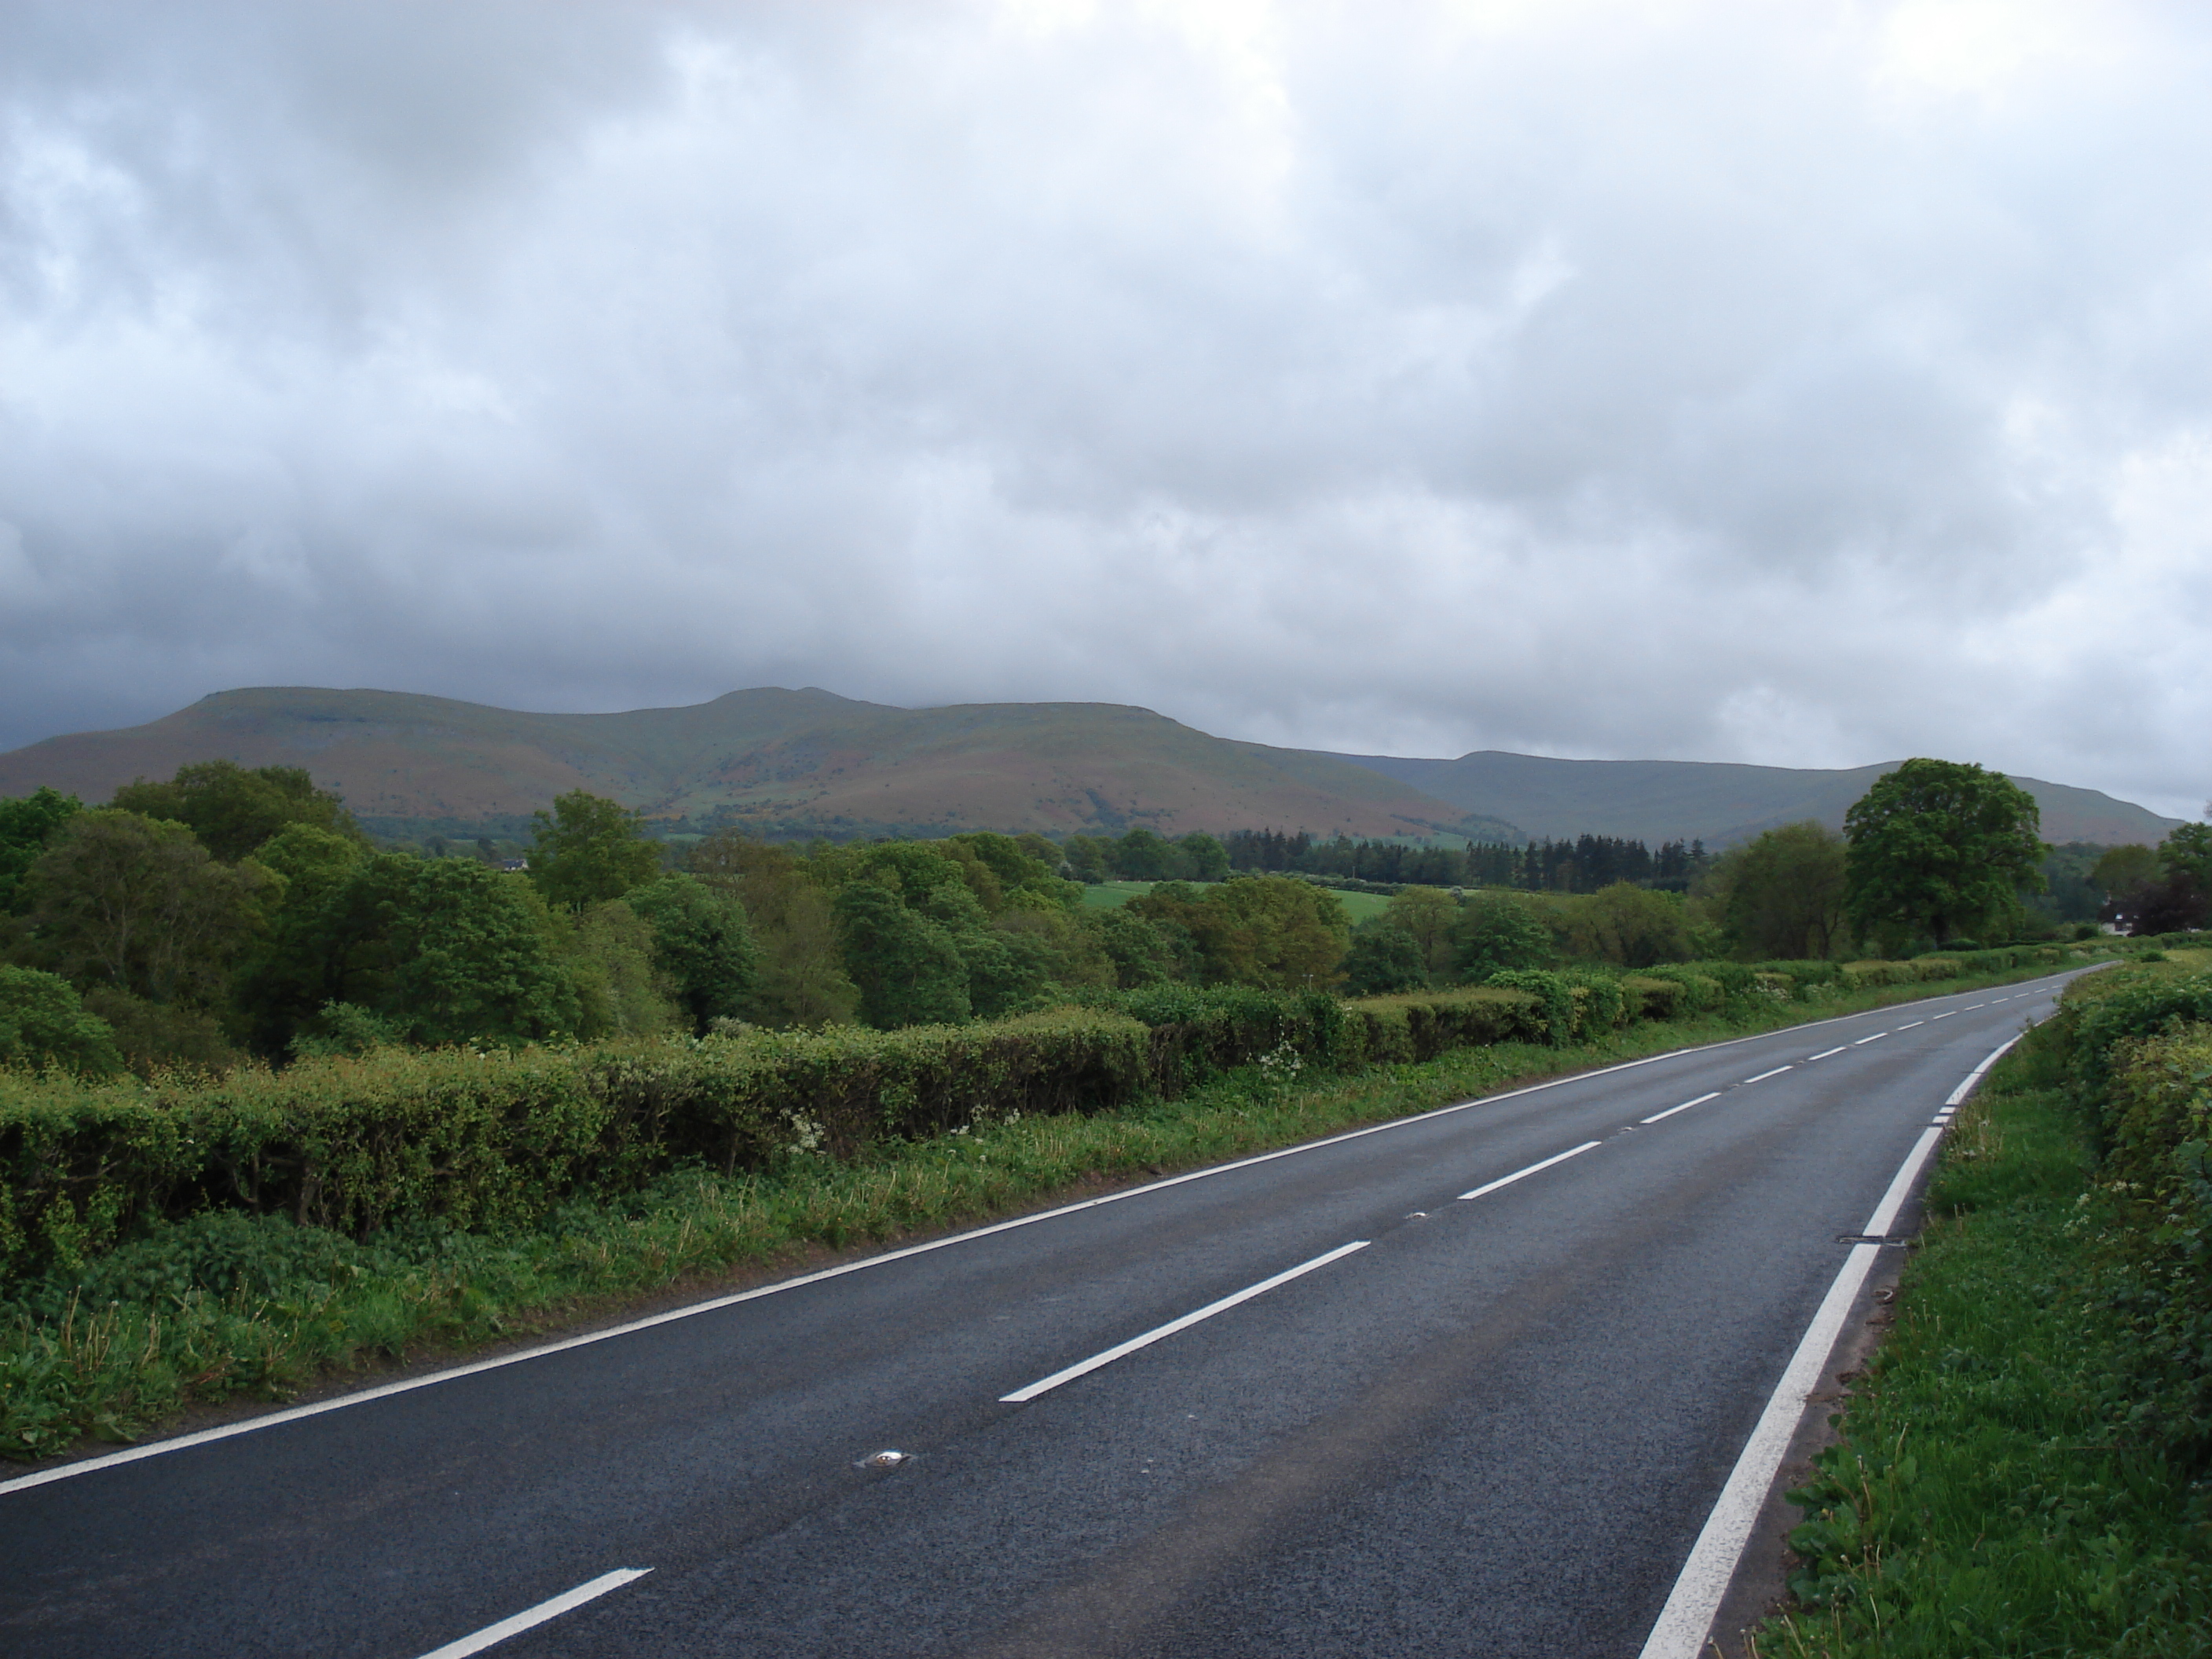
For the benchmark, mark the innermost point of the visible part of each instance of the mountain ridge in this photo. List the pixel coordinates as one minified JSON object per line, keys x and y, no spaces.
{"x":807,"y":761}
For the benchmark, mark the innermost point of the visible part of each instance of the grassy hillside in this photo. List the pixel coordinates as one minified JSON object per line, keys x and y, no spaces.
{"x":1718,"y":803}
{"x":786,"y":762}
{"x":808,"y":761}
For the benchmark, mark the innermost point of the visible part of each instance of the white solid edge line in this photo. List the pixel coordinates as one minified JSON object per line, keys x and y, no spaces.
{"x":1520,"y":1175}
{"x":530,"y":1617}
{"x":252,"y":1425}
{"x":1763,"y":1076}
{"x":1684,"y":1623}
{"x":1958,"y":1095}
{"x":1684,"y":1106}
{"x":1083,"y":1367}
{"x":1681,"y":1629}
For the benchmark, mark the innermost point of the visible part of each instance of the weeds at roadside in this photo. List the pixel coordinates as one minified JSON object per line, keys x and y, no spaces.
{"x":1987,"y":1497}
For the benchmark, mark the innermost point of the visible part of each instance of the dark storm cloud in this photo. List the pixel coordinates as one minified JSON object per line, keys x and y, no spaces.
{"x":1810,"y":385}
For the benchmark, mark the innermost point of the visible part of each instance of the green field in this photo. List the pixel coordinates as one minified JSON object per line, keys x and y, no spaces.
{"x":1105,"y":894}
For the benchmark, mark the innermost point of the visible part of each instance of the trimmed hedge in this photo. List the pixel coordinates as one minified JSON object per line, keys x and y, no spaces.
{"x":498,"y":1138}
{"x":1420,"y":1026}
{"x":493,"y":1139}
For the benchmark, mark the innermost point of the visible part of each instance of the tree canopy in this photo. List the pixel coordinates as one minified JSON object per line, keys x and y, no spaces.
{"x":1937,"y":848}
{"x":233,"y":810}
{"x":1782,"y":894}
{"x":589,"y":849}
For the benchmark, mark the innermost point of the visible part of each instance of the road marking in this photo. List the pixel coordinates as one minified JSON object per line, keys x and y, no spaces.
{"x":1684,"y":1106}
{"x":1825,"y":1053}
{"x":1763,"y":1076}
{"x":1687,"y":1619}
{"x":1876,"y":1037}
{"x":1947,"y":1016}
{"x":715,"y":1304}
{"x":1045,"y":1385}
{"x":1970,"y":1006}
{"x":530,"y":1617}
{"x":1917,"y":1022}
{"x":1959,"y":1094}
{"x":1521,"y":1174}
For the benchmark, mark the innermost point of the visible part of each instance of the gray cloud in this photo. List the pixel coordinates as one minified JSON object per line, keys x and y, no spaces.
{"x":1810,"y":385}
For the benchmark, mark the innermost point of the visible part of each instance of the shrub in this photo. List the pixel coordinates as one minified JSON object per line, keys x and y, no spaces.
{"x":42,"y":1023}
{"x":1555,"y":998}
{"x":1654,"y":998}
{"x":469,"y":1138}
{"x":1420,"y":1027}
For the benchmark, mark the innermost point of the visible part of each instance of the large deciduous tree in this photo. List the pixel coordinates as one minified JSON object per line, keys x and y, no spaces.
{"x":589,"y":849}
{"x":234,"y":810}
{"x":1937,"y":848}
{"x":1497,"y":932}
{"x":126,"y":902}
{"x":701,"y":942}
{"x":1782,"y":893}
{"x":27,"y":823}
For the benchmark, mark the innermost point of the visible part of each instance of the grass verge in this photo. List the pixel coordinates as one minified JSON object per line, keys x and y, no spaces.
{"x":224,"y":1306}
{"x":1986,"y":1497}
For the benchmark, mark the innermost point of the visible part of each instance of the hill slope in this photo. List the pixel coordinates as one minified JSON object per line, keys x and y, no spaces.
{"x":807,"y":762}
{"x":792,"y":762}
{"x":1718,"y":803}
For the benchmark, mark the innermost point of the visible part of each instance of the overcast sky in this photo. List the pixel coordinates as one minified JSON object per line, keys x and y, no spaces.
{"x":1811,"y":384}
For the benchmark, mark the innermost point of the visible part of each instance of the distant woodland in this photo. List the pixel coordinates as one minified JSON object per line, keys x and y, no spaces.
{"x":231,"y":913}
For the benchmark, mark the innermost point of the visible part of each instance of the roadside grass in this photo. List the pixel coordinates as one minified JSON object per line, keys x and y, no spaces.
{"x":223,"y":1306}
{"x":1986,"y":1497}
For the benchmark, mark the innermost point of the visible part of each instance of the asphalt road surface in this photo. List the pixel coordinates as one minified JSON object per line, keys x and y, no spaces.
{"x":1490,"y":1416}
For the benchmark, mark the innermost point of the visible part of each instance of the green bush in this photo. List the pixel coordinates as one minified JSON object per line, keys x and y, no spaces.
{"x":1656,"y":999}
{"x":1419,"y":1026}
{"x":1555,"y":1000}
{"x":42,"y":1023}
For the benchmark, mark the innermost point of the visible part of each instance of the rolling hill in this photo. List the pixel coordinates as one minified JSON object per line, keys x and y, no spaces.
{"x":808,"y":761}
{"x":1717,"y":802}
{"x":784,"y":761}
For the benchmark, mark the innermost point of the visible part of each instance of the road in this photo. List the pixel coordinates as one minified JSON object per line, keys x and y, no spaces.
{"x":1486,"y":1425}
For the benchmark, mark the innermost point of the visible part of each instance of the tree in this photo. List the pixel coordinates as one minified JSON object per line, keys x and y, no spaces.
{"x":2124,"y":869}
{"x":1145,"y":951}
{"x":122,"y":901}
{"x":701,"y":942}
{"x":449,"y":952}
{"x":1782,"y":894}
{"x":27,"y":823}
{"x":611,"y":960}
{"x":1384,"y":958}
{"x":1429,"y":917}
{"x":1630,"y":927}
{"x":233,"y":810}
{"x":2188,"y":852}
{"x":802,"y":979}
{"x":1143,"y":855}
{"x":1271,"y":931}
{"x":42,"y":1023}
{"x":1497,"y":932}
{"x":908,"y":970}
{"x":424,"y":950}
{"x":301,"y":963}
{"x":1200,"y":857}
{"x":589,"y":849}
{"x":1937,"y":848}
